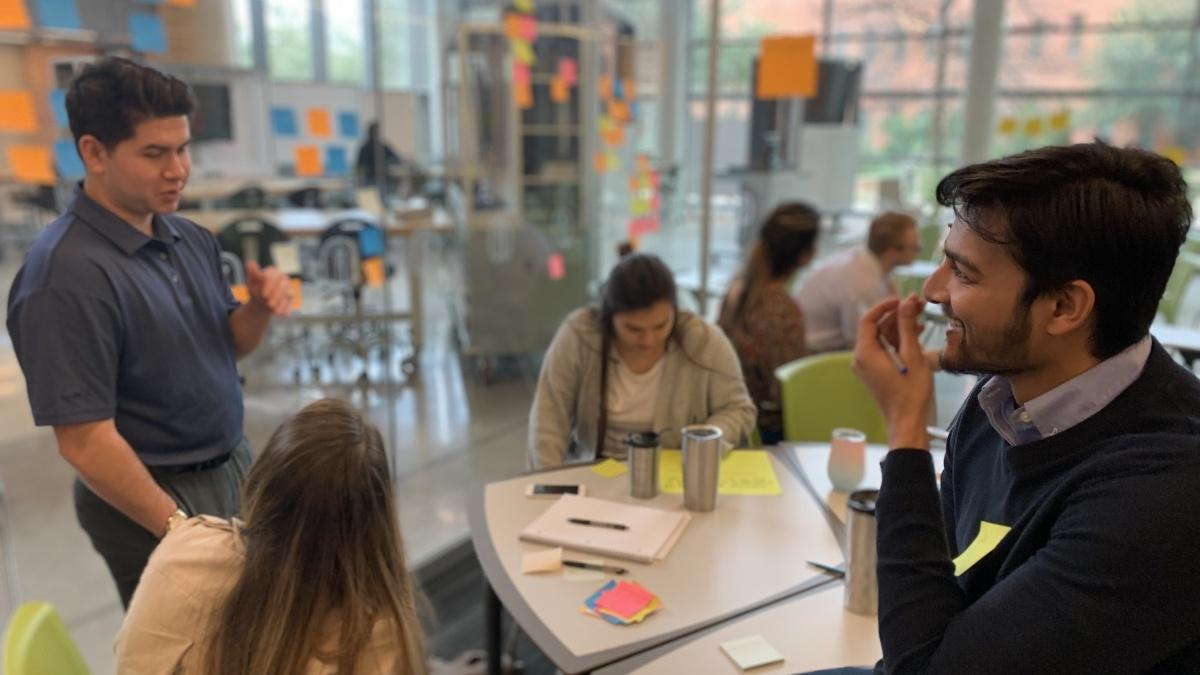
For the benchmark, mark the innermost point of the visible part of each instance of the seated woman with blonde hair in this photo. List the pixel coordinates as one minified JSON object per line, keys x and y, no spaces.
{"x":314,"y":581}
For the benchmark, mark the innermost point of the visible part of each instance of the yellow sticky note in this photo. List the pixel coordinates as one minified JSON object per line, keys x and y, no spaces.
{"x":744,"y":472}
{"x":31,"y":164}
{"x":787,"y":68}
{"x":372,"y":269}
{"x":558,"y":90}
{"x":308,"y":160}
{"x":610,"y":468}
{"x":13,"y":15}
{"x":1007,"y":126}
{"x":1175,"y":154}
{"x":319,"y":124}
{"x":1033,"y":127}
{"x":990,"y":535}
{"x":1060,"y":121}
{"x":297,"y":293}
{"x":240,"y":293}
{"x":524,"y":6}
{"x":16,"y":112}
{"x":549,"y":560}
{"x":611,"y":161}
{"x":522,"y":51}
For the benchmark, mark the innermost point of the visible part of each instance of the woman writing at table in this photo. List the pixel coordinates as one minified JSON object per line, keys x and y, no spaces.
{"x":661,"y":370}
{"x":760,"y":317}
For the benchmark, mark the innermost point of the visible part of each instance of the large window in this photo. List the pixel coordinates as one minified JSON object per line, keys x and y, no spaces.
{"x":345,"y":46}
{"x":243,"y":33}
{"x":289,"y":39}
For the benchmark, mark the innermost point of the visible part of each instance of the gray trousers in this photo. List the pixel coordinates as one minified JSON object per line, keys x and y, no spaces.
{"x":126,"y":546}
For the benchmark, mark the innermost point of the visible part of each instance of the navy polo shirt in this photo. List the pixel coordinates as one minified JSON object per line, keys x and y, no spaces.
{"x":109,"y":323}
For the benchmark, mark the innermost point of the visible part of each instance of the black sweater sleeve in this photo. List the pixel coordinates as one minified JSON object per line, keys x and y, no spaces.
{"x":1112,"y":590}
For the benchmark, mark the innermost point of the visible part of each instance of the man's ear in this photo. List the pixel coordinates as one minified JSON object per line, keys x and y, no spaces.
{"x":93,"y":153}
{"x":1074,"y":306}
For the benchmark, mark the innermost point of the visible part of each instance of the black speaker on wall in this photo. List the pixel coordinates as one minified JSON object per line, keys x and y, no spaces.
{"x":836,"y":102}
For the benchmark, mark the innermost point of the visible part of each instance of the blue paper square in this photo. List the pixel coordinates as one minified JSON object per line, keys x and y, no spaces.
{"x":370,"y":242}
{"x":67,"y":160}
{"x":58,"y":14}
{"x":348,"y":124}
{"x":618,"y":89}
{"x":335,"y":161}
{"x":147,"y":33}
{"x":283,"y":121}
{"x":58,"y":105}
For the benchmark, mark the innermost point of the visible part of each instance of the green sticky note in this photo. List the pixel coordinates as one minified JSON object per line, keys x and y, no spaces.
{"x":990,"y":535}
{"x":751,"y":652}
{"x":609,"y":468}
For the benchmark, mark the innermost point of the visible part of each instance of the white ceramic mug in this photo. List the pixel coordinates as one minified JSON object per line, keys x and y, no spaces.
{"x":847,"y":459}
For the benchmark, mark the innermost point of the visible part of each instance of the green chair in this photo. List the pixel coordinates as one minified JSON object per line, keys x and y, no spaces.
{"x":1186,"y":267}
{"x":821,"y":393}
{"x":37,"y":643}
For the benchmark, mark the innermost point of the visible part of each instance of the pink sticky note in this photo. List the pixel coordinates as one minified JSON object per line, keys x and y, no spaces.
{"x":555,"y":267}
{"x":568,"y":70}
{"x":527,"y":27}
{"x":626,"y":599}
{"x":520,"y":73}
{"x":643,"y":225}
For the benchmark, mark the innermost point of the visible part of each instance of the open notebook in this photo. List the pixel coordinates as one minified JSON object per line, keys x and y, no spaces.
{"x":651,"y":534}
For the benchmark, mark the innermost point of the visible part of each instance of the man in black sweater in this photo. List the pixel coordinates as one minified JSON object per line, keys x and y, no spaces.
{"x":1066,"y":537}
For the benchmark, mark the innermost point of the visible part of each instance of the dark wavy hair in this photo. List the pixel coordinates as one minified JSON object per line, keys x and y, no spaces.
{"x":112,"y":96}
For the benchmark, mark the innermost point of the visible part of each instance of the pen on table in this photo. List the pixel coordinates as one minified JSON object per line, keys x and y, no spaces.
{"x":597,"y":523}
{"x":611,"y":569}
{"x":836,"y":571}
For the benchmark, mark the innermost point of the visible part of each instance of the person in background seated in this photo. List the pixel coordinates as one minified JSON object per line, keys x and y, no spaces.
{"x":761,"y":319}
{"x":635,"y":363}
{"x":364,"y":164}
{"x":1071,"y":470}
{"x":314,"y":581}
{"x":842,"y":287}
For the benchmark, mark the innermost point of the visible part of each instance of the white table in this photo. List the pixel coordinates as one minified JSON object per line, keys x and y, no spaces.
{"x":746,"y":554}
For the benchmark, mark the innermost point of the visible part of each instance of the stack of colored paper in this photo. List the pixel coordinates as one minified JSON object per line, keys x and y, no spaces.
{"x":621,"y":603}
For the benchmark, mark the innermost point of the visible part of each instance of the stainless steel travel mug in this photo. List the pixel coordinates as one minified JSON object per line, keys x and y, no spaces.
{"x":642,"y":450}
{"x":701,"y":466}
{"x":862,"y":588}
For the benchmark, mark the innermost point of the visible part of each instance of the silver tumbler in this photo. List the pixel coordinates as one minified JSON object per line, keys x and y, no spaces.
{"x":862,"y":588}
{"x":642,"y":450}
{"x":701,"y":466}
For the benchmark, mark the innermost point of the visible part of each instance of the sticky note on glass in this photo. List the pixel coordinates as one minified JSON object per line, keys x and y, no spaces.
{"x":619,"y":111}
{"x":523,"y":95}
{"x":13,"y":15}
{"x":372,"y":271}
{"x":348,"y":124}
{"x":751,"y":652}
{"x":1033,"y":127}
{"x":520,"y":73}
{"x":990,"y":536}
{"x":308,"y":160}
{"x":58,"y":14}
{"x":58,"y":106}
{"x":335,"y":161}
{"x":527,"y":27}
{"x":1007,"y":126}
{"x":1060,"y":121}
{"x":610,"y":468}
{"x":568,"y":70}
{"x":522,"y":51}
{"x":182,"y":3}
{"x":628,"y":90}
{"x":297,"y":287}
{"x":67,"y":160}
{"x":613,"y":136}
{"x":555,"y":267}
{"x":606,"y":87}
{"x":524,"y":5}
{"x":536,"y":562}
{"x":512,"y":26}
{"x":283,"y":121}
{"x":1175,"y":154}
{"x":787,"y":68}
{"x":31,"y":164}
{"x":147,"y":33}
{"x":559,"y":92}
{"x":744,"y":472}
{"x":16,"y":112}
{"x":319,"y":124}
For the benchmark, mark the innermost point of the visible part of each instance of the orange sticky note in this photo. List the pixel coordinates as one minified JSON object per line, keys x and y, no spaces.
{"x":372,"y":271}
{"x":13,"y":15}
{"x":606,"y":87}
{"x":599,"y":162}
{"x":1033,"y":127}
{"x":31,"y":164}
{"x":643,"y":163}
{"x":240,"y":293}
{"x":787,"y":67}
{"x":558,"y":90}
{"x":308,"y":160}
{"x":523,"y":95}
{"x":297,"y":293}
{"x":619,"y":111}
{"x":319,"y":124}
{"x":16,"y":112}
{"x":182,"y":3}
{"x":614,"y":136}
{"x":629,"y":87}
{"x":512,"y":26}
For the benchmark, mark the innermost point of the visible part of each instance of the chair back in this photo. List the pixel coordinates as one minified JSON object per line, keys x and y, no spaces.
{"x":1186,"y":267}
{"x":821,"y":393}
{"x":37,"y":643}
{"x":251,"y":238}
{"x":305,"y":198}
{"x":249,"y":197}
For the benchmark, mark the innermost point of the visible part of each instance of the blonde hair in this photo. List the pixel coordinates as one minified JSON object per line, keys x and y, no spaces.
{"x":886,"y":231}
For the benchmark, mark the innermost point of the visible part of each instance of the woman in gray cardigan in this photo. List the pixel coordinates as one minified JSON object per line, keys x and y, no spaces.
{"x":665,"y":369}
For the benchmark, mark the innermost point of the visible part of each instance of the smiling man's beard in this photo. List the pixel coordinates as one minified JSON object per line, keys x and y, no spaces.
{"x":1006,"y":355}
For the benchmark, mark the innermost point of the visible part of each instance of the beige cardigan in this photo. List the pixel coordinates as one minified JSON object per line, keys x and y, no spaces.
{"x":706,"y":388}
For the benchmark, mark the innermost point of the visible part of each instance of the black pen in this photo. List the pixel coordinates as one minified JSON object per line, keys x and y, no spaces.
{"x":597,"y":523}
{"x":611,"y":569}
{"x":835,"y":571}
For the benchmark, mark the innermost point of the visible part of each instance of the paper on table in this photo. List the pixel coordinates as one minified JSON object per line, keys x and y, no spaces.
{"x":751,"y":652}
{"x":609,"y":468}
{"x":744,"y":472}
{"x":990,"y":535}
{"x":549,"y":560}
{"x":649,"y":535}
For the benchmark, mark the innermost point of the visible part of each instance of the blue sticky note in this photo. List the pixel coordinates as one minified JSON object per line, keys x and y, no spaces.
{"x":370,"y":242}
{"x":348,"y":124}
{"x":58,"y":14}
{"x":335,"y":161}
{"x":67,"y":160}
{"x":58,"y":104}
{"x":147,"y":33}
{"x":618,"y":89}
{"x":283,"y":121}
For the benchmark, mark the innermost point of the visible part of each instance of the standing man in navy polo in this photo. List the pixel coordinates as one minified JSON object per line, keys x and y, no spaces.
{"x":126,"y":331}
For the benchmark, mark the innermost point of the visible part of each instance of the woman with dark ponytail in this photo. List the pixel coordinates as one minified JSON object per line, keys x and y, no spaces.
{"x":761,"y":319}
{"x":635,"y":363}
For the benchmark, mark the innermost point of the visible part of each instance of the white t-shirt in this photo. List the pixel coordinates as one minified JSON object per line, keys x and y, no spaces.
{"x":631,"y":402}
{"x":834,"y":296}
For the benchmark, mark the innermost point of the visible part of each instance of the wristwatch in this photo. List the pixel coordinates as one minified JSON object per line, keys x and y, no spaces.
{"x":175,"y":520}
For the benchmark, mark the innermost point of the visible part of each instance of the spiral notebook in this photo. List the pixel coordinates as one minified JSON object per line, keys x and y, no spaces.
{"x":650,"y":536}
